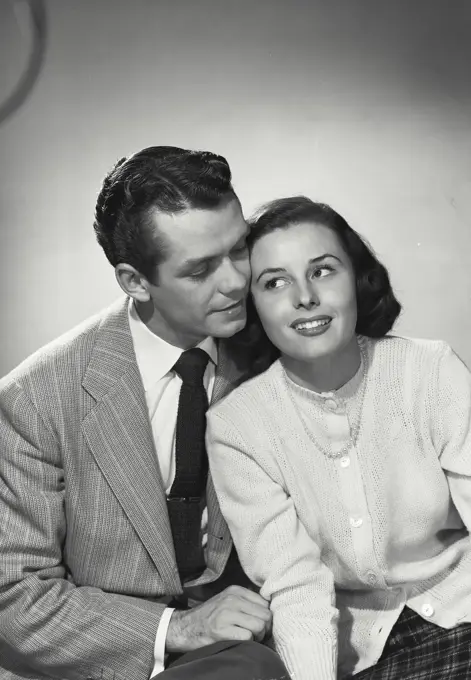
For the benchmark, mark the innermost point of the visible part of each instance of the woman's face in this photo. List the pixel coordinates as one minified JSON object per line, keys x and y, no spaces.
{"x":303,"y":287}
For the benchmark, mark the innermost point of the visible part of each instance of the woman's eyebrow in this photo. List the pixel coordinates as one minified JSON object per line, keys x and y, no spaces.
{"x":314,"y":260}
{"x":270,"y":270}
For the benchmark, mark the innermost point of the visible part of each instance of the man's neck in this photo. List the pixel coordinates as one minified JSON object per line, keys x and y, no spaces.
{"x":157,"y":325}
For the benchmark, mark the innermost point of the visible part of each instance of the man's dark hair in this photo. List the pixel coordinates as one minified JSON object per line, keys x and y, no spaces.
{"x":159,"y":178}
{"x":377,"y":306}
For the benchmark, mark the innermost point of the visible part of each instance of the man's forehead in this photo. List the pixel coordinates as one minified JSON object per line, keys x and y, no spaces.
{"x":198,"y":221}
{"x":201,"y":234}
{"x":197,"y":248}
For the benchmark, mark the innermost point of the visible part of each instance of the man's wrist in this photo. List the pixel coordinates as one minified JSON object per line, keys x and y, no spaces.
{"x":177,"y":640}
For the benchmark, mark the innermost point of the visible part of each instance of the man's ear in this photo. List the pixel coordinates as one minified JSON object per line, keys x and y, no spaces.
{"x":133,"y":284}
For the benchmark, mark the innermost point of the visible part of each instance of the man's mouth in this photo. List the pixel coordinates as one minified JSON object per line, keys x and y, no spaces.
{"x":233,"y":306}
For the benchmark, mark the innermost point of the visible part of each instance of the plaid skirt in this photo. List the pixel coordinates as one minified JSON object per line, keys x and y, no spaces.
{"x":418,"y":650}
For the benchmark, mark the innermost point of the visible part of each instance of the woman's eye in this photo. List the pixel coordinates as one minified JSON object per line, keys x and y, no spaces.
{"x":320,"y":272}
{"x":274,"y":283}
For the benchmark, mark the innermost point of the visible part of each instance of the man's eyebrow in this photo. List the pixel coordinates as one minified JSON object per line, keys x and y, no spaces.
{"x":193,"y":262}
{"x":278,"y":270}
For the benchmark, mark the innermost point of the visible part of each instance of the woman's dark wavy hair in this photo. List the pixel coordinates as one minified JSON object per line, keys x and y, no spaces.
{"x":377,"y":306}
{"x":164,"y":178}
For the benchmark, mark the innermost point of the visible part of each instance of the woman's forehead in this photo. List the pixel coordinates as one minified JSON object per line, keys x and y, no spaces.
{"x":303,"y":240}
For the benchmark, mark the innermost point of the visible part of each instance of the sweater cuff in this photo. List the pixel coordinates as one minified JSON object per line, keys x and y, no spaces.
{"x":313,"y":658}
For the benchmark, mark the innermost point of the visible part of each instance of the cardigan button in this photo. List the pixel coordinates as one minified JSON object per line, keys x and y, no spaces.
{"x":428,"y":610}
{"x":371,"y":578}
{"x":356,"y":522}
{"x":330,"y":403}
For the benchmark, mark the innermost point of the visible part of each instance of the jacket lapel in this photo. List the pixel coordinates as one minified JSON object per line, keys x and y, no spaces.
{"x":119,"y":435}
{"x":230,"y":372}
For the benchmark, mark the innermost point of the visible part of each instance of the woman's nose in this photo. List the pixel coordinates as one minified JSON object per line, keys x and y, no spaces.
{"x":306,"y":296}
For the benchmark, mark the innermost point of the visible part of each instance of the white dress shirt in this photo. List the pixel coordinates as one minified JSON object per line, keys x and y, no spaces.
{"x":155,"y":359}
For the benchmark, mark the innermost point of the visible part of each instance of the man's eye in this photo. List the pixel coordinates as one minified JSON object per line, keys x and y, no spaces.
{"x":240,"y":249}
{"x":200,"y":274}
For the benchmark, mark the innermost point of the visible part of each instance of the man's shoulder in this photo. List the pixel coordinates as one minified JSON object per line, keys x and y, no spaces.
{"x":71,"y":349}
{"x":251,"y":395}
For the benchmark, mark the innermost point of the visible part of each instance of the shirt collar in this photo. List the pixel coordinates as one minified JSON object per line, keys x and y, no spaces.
{"x":156,"y":357}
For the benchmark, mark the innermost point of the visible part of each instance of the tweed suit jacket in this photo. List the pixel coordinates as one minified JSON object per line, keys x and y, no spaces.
{"x":86,"y":551}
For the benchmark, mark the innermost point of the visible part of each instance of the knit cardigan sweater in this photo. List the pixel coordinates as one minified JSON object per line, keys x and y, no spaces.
{"x":340,"y":544}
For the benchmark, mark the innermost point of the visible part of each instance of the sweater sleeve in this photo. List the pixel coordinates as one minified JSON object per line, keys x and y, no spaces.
{"x":275,"y":551}
{"x":451,"y":428}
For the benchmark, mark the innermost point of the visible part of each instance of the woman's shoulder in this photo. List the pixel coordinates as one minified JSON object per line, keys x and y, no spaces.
{"x":408,"y":350}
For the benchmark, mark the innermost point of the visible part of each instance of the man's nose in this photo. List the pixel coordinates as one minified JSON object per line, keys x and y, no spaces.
{"x":232,"y":279}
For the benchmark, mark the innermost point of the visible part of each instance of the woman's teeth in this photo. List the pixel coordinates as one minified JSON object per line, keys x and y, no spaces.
{"x":311,"y":324}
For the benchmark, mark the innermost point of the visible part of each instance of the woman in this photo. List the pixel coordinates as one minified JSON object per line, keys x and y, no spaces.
{"x":343,"y":470}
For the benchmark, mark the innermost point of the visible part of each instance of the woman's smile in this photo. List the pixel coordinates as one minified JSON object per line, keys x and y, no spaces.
{"x":309,"y":327}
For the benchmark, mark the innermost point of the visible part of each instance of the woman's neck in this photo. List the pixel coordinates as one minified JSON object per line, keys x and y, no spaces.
{"x":327,"y":373}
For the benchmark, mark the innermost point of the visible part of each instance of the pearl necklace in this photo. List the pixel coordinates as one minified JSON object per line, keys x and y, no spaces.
{"x":356,"y":425}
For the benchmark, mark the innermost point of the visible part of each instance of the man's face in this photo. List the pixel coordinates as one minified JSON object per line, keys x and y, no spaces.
{"x":203,"y":283}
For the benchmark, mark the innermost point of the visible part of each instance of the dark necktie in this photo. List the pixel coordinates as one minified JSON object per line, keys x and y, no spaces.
{"x":186,"y":499}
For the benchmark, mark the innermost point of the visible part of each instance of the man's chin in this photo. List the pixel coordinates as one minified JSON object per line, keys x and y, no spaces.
{"x":230,"y":328}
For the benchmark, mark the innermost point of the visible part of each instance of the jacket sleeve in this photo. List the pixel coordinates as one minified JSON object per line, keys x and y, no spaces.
{"x":49,"y":626}
{"x":275,"y":550}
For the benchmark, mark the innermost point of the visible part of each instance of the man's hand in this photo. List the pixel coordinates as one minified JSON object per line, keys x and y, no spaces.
{"x":234,"y":614}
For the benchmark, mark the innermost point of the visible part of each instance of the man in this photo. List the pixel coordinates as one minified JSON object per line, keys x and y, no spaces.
{"x":108,"y":512}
